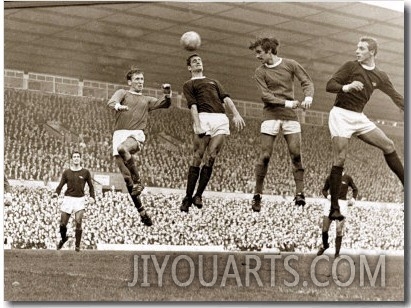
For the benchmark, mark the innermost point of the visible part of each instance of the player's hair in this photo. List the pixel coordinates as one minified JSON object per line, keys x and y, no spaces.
{"x":266,"y":44}
{"x":188,"y":61}
{"x":134,"y":70}
{"x":372,"y":43}
{"x":75,"y":152}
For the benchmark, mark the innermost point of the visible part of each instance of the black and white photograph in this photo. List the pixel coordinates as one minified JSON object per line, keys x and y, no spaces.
{"x":204,"y":152}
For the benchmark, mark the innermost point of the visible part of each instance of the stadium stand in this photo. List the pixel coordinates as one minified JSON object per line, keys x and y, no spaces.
{"x":41,"y":129}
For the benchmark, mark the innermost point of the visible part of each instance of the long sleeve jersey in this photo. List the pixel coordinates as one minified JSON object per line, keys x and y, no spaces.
{"x":135,"y":118}
{"x":276,"y":84}
{"x":371,"y":79}
{"x":208,"y":94}
{"x":76,"y":181}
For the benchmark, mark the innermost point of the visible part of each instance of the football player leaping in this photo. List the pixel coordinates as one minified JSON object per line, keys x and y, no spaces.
{"x":131,"y":114}
{"x":207,"y":100}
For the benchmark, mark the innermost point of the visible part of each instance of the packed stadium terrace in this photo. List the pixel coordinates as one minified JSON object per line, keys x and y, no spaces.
{"x":32,"y":154}
{"x":32,"y":222}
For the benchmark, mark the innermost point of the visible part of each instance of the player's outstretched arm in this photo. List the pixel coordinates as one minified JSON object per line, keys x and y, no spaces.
{"x":396,"y":97}
{"x":164,"y":101}
{"x":237,"y":119}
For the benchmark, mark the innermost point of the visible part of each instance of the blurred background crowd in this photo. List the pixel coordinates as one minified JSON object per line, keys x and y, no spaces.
{"x":32,"y":221}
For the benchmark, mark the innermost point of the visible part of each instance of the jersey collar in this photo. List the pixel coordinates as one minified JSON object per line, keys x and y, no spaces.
{"x":275,"y":64}
{"x":135,"y":93}
{"x":200,"y":77}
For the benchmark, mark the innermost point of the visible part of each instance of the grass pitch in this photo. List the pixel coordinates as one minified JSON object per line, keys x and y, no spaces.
{"x":47,"y":275}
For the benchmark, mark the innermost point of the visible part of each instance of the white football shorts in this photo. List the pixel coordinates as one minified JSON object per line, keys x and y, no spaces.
{"x":72,"y":204}
{"x":345,"y":123}
{"x":273,"y":127}
{"x":121,"y":135}
{"x":343,"y":207}
{"x":214,"y":123}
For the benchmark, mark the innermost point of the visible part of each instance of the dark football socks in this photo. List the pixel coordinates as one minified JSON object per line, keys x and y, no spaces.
{"x":260,"y":173}
{"x":192,"y":177}
{"x":63,"y":232}
{"x":325,"y":239}
{"x":205,"y":176}
{"x":395,"y":164}
{"x":78,"y":237}
{"x":335,"y":184}
{"x":338,"y":241}
{"x":299,"y":180}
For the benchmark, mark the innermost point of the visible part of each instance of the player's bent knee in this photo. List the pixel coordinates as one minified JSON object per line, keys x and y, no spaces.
{"x":210,"y":161}
{"x":122,"y":150}
{"x":296,"y":159}
{"x":127,"y":178}
{"x":198,"y":156}
{"x":389,"y":147}
{"x":265,"y":158}
{"x":339,"y":161}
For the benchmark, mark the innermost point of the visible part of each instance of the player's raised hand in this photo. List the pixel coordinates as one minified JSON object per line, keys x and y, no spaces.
{"x":238,"y":122}
{"x":91,"y":200}
{"x":167,"y":89}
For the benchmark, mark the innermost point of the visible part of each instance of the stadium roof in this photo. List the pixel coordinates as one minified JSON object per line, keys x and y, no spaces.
{"x":101,"y":40}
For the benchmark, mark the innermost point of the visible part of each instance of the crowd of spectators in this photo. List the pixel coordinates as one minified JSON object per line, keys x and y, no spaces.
{"x":32,"y":220}
{"x":33,"y":154}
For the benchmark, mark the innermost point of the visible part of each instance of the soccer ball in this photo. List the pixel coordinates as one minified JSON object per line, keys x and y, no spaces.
{"x":190,"y":41}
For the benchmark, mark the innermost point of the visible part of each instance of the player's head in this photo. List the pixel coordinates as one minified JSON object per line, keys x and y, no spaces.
{"x":372,"y":43}
{"x":366,"y":50}
{"x":194,"y":63}
{"x":265,"y":44}
{"x":133,"y":71}
{"x":264,"y":49}
{"x":135,"y":79}
{"x":76,"y":157}
{"x":75,"y":154}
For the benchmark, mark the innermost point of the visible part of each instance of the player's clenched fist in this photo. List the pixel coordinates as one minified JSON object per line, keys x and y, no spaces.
{"x":355,"y":85}
{"x":120,"y":107}
{"x":167,"y":89}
